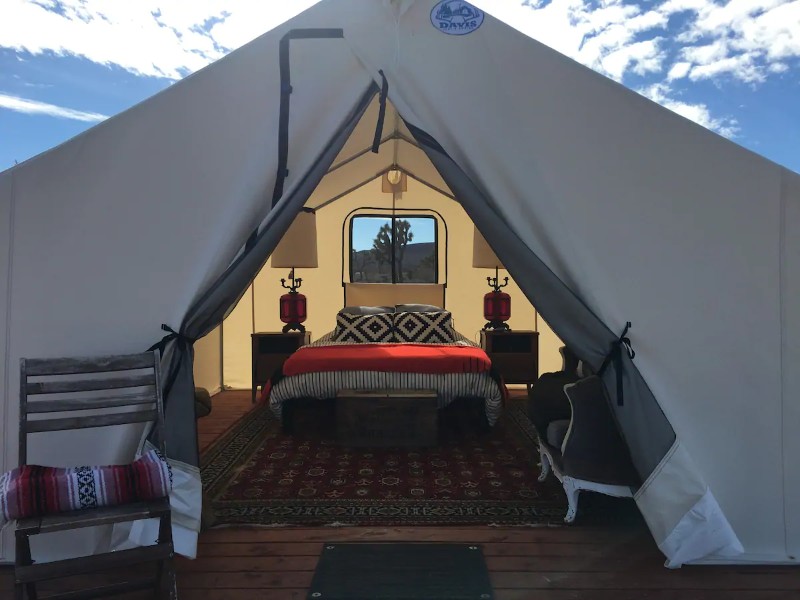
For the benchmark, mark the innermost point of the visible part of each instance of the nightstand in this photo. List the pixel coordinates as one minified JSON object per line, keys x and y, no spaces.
{"x":514,"y":354}
{"x":270,"y":351}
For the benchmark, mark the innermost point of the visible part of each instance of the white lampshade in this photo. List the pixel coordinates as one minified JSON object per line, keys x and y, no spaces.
{"x":298,"y":248}
{"x":483,"y":257}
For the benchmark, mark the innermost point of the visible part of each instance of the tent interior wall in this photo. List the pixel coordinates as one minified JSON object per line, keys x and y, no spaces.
{"x":323,"y":286}
{"x":208,"y":361}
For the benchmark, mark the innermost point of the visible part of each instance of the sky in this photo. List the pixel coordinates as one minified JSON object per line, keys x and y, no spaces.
{"x":364,"y":230}
{"x":732,"y":66}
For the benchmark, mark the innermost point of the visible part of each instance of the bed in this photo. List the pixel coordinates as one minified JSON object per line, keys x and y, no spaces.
{"x":413,"y":347}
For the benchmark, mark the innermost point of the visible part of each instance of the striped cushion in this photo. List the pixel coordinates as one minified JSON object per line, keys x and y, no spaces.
{"x":32,"y":491}
{"x":364,"y":329}
{"x":424,"y":327}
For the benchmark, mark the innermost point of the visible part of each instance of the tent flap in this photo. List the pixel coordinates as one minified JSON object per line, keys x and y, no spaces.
{"x":211,"y":309}
{"x":685,"y":519}
{"x":682,"y":513}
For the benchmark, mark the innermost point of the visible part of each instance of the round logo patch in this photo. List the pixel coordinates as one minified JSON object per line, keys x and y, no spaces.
{"x":456,"y":17}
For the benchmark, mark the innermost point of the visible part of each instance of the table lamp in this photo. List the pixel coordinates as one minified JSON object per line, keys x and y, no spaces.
{"x":297,"y":249}
{"x":496,"y":304}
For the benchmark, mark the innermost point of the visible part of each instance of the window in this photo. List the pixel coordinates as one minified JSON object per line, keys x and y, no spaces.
{"x":399,"y":249}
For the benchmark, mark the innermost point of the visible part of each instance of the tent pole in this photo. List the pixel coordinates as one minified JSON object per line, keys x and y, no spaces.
{"x":222,"y":355}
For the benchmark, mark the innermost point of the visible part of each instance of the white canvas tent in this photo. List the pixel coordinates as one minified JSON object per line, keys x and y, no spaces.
{"x":605,"y":207}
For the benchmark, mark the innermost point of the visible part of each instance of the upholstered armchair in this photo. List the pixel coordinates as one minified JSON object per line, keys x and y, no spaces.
{"x":578,"y":437}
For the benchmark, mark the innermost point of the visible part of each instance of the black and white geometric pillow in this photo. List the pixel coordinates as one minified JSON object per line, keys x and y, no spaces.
{"x":424,"y":327}
{"x":364,"y":329}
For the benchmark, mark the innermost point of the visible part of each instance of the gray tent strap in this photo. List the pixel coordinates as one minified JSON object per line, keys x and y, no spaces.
{"x":286,"y":95}
{"x":646,"y":429}
{"x":376,"y":142}
{"x":161,"y":346}
{"x":615,"y":357}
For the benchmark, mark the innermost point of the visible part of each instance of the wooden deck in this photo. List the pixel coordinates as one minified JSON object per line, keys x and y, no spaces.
{"x":567,"y":563}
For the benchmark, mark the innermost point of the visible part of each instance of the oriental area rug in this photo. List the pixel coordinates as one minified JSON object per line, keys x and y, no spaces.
{"x":257,"y":475}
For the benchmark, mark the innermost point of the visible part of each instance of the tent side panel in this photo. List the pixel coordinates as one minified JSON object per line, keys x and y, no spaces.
{"x":208,"y":361}
{"x":121,"y":228}
{"x":790,"y":268}
{"x":6,"y":241}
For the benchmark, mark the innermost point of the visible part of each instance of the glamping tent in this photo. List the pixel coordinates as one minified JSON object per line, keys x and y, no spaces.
{"x":604,"y":207}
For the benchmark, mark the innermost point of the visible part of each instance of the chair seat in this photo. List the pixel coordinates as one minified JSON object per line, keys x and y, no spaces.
{"x":91,"y":517}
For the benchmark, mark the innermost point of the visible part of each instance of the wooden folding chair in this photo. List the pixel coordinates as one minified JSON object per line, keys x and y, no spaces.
{"x":117,"y":390}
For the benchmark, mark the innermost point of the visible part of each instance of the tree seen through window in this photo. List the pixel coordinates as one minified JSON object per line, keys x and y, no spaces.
{"x":393,"y":250}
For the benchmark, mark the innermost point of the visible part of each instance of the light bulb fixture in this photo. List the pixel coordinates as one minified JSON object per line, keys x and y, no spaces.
{"x":393,"y":181}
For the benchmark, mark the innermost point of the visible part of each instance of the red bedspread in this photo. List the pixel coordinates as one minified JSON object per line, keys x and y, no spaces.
{"x":397,"y":358}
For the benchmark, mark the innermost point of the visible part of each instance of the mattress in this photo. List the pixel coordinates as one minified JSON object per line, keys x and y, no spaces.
{"x":455,"y":370}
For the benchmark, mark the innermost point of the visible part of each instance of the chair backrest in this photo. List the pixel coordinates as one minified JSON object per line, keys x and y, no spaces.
{"x":103,"y":385}
{"x":569,"y":361}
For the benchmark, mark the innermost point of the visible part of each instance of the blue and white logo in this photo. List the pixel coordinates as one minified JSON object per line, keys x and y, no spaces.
{"x":456,"y":17}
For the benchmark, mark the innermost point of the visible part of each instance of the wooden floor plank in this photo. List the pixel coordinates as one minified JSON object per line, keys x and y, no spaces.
{"x":632,"y":577}
{"x":492,"y":549}
{"x":580,"y":562}
{"x":640,"y":595}
{"x":479,"y":535}
{"x":584,"y":564}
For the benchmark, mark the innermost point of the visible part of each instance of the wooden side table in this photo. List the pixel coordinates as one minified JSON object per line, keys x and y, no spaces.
{"x":514,"y":354}
{"x":270,"y":351}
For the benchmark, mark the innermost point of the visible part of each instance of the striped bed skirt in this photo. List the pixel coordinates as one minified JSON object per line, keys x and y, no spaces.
{"x":448,"y":387}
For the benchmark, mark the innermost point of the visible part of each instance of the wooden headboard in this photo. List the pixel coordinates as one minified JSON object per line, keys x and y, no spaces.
{"x":389,"y":294}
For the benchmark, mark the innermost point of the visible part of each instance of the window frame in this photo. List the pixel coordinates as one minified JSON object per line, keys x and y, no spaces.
{"x":393,"y":218}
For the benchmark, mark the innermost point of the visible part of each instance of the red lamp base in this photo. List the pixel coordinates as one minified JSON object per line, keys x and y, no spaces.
{"x":293,"y":311}
{"x":497,"y":310}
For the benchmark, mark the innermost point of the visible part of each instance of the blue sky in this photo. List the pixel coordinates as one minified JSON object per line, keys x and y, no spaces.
{"x":366,"y":228}
{"x":731,"y":65}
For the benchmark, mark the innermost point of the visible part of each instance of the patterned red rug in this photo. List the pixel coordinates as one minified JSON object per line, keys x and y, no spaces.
{"x":255,"y":474}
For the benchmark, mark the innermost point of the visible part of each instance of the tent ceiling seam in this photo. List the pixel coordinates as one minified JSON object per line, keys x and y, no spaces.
{"x":357,"y":155}
{"x":396,"y":135}
{"x":376,"y":176}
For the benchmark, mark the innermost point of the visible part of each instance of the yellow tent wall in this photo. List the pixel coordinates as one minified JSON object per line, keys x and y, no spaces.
{"x":258,"y":308}
{"x":208,"y":361}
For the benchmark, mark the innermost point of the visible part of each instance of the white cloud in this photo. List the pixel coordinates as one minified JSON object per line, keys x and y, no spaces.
{"x":171,"y":38}
{"x":699,"y":113}
{"x":34,"y":107}
{"x":629,"y":40}
{"x":741,"y":39}
{"x":160,"y":38}
{"x":607,"y":39}
{"x":679,"y":70}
